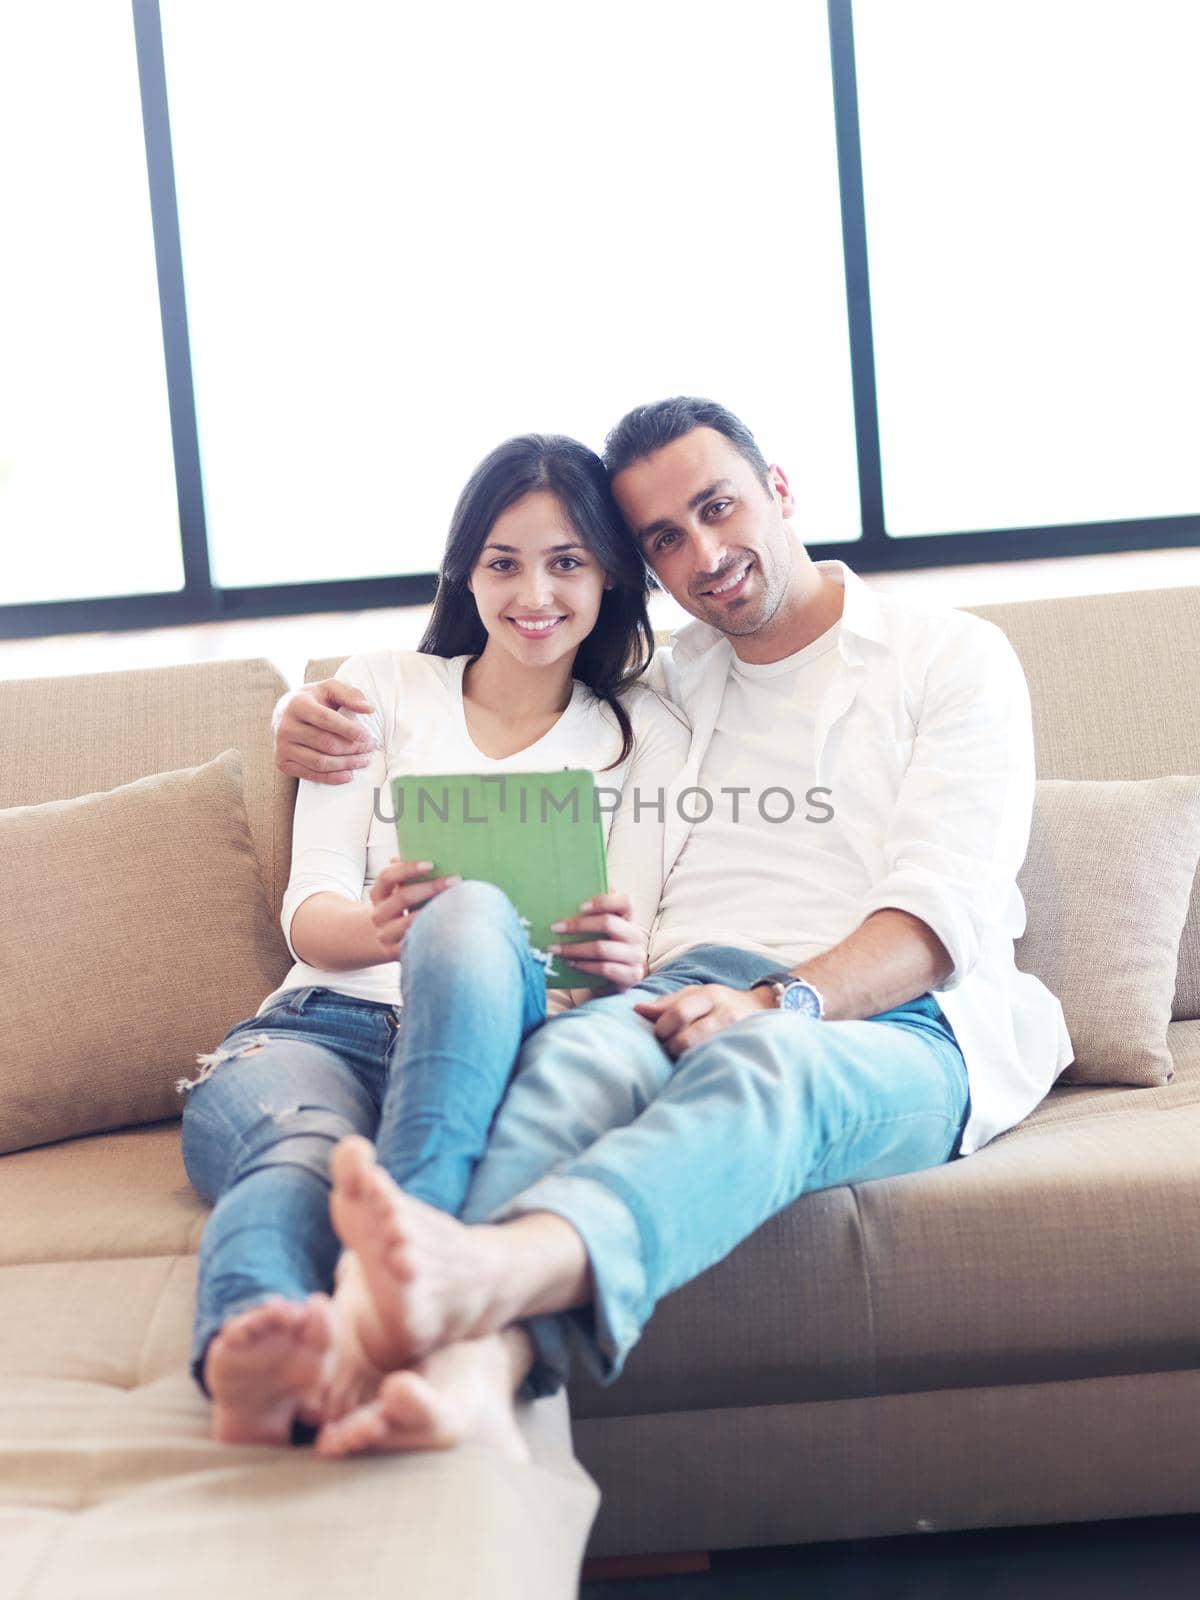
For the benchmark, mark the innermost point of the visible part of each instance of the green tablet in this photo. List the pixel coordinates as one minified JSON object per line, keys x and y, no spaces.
{"x":539,"y":836}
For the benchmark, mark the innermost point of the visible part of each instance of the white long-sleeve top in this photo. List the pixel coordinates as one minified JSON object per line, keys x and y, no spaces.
{"x":342,"y":835}
{"x":916,"y":727}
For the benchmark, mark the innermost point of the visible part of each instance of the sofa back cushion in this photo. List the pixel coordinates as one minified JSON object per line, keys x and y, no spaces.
{"x":1113,"y":682}
{"x":323,"y":667}
{"x":77,"y":735}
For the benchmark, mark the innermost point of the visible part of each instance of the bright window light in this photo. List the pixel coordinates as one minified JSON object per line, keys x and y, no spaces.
{"x":87,"y":477}
{"x":1033,"y":235}
{"x":409,"y":232}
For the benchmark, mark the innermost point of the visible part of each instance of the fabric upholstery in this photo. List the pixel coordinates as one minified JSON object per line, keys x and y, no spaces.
{"x":110,"y":1485}
{"x":1059,"y":1250}
{"x":864,"y":1365}
{"x":1067,"y":1102}
{"x":79,"y":735}
{"x":322,"y":667}
{"x":1112,"y":679}
{"x":160,"y":930}
{"x":107,"y":1195}
{"x":119,"y":1494}
{"x":1016,"y":1454}
{"x":1106,"y":882}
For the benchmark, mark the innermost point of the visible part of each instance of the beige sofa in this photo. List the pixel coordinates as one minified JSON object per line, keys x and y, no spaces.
{"x":109,"y":1483}
{"x":1011,"y":1339}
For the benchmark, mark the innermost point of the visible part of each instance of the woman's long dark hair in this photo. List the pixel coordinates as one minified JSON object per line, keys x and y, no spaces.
{"x":619,"y":647}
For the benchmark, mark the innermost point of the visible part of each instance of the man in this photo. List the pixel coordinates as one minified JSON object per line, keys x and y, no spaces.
{"x":832,"y":994}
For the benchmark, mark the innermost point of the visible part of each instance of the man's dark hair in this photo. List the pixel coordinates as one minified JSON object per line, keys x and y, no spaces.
{"x":647,"y":428}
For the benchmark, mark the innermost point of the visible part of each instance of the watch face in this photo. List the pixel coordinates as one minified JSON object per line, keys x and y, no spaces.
{"x":798,"y":997}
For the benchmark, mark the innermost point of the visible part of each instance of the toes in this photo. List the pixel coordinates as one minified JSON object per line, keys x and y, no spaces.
{"x":269,"y":1332}
{"x":350,"y":1389}
{"x":360,"y":1150}
{"x":311,"y":1409}
{"x":238,"y":1329}
{"x":378,"y":1190}
{"x":330,"y":1437}
{"x":408,"y":1415}
{"x":364,"y":1429}
{"x":351,"y":1163}
{"x":403,"y":1398}
{"x":247,"y":1327}
{"x":414,"y":1408}
{"x":367,"y":1430}
{"x":314,"y":1321}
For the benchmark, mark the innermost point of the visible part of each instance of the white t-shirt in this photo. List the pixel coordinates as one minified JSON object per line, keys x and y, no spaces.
{"x":924,"y":737}
{"x":767,"y":866}
{"x":343,"y":835}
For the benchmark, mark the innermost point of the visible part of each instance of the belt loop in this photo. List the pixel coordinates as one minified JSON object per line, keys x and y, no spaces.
{"x":297,"y":1002}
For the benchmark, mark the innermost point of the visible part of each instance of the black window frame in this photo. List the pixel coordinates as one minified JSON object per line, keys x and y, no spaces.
{"x":201,"y":600}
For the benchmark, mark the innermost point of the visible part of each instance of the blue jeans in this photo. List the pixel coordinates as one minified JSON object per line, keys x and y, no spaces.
{"x":423,"y":1080}
{"x":664,"y":1166}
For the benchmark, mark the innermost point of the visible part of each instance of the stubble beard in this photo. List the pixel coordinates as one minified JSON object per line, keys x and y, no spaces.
{"x":750,"y":616}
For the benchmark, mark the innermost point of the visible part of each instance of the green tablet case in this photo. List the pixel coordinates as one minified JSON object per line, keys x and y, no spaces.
{"x":536,"y":835}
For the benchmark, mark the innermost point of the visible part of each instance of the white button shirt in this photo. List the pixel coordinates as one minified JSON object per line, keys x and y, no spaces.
{"x":926,"y":722}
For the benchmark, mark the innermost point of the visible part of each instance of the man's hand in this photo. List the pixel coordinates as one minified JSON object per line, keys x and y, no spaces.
{"x":619,"y":953}
{"x":312,"y":740}
{"x":691,"y":1015}
{"x":396,"y":897}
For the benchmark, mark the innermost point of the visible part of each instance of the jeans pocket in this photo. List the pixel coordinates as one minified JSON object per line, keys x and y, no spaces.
{"x":326,"y":1002}
{"x":259,"y":1020}
{"x":277,"y":1008}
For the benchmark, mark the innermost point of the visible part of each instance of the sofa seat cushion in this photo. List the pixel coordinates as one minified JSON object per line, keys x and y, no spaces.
{"x":1064,"y":1249}
{"x":1069,"y":1102}
{"x":110,"y":1485}
{"x":109,"y":1194}
{"x":116,"y":1324}
{"x":108,"y":1495}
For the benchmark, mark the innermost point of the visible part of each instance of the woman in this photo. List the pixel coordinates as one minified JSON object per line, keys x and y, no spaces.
{"x":539,"y":630}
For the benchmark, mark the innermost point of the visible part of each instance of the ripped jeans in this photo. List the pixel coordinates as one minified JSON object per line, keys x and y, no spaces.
{"x":423,"y":1080}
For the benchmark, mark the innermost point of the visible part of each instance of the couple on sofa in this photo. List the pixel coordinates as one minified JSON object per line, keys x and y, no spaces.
{"x":799,"y":993}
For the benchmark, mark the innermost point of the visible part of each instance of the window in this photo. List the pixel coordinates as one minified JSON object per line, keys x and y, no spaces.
{"x":1032,"y":231}
{"x":389,"y":237}
{"x":87,"y":480}
{"x":397,"y":255}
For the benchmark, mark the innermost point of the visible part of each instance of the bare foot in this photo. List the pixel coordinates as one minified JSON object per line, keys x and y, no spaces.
{"x":431,"y":1280}
{"x":351,"y":1377}
{"x":461,"y":1394}
{"x":266,"y":1366}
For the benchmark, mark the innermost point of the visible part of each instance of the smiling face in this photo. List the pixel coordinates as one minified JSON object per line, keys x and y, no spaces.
{"x":713,"y":535}
{"x":536,"y":585}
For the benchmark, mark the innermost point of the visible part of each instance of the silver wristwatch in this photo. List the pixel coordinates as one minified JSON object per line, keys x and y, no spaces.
{"x":794,"y":994}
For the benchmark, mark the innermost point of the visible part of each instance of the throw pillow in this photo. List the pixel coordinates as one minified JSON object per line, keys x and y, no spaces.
{"x":1107,"y":881}
{"x":136,"y":932}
